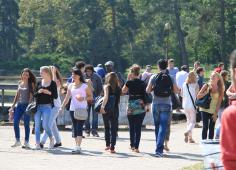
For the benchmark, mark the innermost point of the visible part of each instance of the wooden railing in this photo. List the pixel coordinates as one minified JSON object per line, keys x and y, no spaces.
{"x":6,"y":87}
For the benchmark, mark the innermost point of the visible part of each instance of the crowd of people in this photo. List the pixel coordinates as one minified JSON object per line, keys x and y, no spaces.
{"x":159,"y":93}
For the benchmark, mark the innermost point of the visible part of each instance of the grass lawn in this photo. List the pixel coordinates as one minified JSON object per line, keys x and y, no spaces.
{"x":198,"y":166}
{"x":10,"y":92}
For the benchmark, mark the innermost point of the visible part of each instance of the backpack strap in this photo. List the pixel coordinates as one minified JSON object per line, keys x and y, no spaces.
{"x":191,"y":97}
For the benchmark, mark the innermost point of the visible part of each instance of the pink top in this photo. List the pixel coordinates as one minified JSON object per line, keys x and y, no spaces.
{"x":77,"y":91}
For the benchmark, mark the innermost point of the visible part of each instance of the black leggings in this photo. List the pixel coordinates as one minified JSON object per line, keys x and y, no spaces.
{"x":111,"y":126}
{"x":77,"y":125}
{"x":208,"y":124}
{"x":135,"y":127}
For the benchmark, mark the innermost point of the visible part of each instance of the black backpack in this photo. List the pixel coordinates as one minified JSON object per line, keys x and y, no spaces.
{"x":163,"y":85}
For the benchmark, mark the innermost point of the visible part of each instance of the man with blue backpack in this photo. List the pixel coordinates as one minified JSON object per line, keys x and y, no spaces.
{"x":162,"y":85}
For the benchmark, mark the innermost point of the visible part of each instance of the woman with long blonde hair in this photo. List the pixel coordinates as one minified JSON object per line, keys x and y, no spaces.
{"x":189,"y":93}
{"x":46,"y":92}
{"x":209,"y":116}
{"x":56,"y":76}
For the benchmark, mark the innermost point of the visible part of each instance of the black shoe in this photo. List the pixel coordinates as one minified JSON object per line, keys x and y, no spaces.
{"x":41,"y":146}
{"x":57,"y":145}
{"x":87,"y":133}
{"x":95,"y":134}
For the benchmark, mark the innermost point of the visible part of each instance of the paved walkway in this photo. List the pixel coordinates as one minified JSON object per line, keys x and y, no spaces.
{"x":94,"y":156}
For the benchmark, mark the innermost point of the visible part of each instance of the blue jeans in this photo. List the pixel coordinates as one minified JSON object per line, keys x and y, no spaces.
{"x":43,"y":113}
{"x":161,"y":115}
{"x":219,"y":123}
{"x":19,"y":112}
{"x":53,"y":126}
{"x":94,"y":119}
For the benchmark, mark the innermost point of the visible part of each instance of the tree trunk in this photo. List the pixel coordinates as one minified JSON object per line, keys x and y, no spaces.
{"x":117,"y":44}
{"x":222,"y":31}
{"x":180,"y":34}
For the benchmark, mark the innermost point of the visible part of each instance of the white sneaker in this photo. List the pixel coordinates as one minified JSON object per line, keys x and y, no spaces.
{"x":76,"y":150}
{"x":26,"y":145}
{"x":17,"y":143}
{"x":51,"y":144}
{"x":37,"y":147}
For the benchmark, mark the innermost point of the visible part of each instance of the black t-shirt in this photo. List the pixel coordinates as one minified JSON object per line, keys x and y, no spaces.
{"x":42,"y":98}
{"x":136,"y":89}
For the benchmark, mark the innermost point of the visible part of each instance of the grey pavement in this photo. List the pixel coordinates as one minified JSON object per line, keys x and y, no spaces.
{"x":95,"y":157}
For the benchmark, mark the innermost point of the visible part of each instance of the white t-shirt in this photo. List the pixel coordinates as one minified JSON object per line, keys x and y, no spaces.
{"x":181,"y":77}
{"x":187,"y":102}
{"x":74,"y":92}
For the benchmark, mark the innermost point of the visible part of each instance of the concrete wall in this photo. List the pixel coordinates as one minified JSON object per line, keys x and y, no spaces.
{"x":66,"y":120}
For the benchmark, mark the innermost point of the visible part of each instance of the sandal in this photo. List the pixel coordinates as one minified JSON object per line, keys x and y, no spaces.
{"x":191,"y":141}
{"x":166,"y":148}
{"x":186,"y":137}
{"x":107,"y":148}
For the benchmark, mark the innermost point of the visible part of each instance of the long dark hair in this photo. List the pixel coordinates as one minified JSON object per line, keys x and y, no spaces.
{"x":31,"y":80}
{"x":112,"y":80}
{"x":79,"y":73}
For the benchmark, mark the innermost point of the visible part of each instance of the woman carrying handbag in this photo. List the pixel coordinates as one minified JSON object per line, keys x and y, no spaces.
{"x":136,"y":106}
{"x":24,"y":96}
{"x":112,"y":94}
{"x":80,"y":94}
{"x":215,"y":89}
{"x":189,"y":94}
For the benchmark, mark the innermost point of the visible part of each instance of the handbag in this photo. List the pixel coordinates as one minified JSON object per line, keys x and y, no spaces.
{"x":31,"y":109}
{"x":81,"y":114}
{"x":205,"y":101}
{"x":109,"y":106}
{"x":98,"y":103}
{"x":135,"y":107}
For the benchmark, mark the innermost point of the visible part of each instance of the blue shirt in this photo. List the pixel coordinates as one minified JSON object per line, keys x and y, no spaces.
{"x":173,"y":71}
{"x":100,"y":71}
{"x":200,"y":81}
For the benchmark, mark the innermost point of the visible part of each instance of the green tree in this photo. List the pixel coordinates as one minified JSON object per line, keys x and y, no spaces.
{"x":9,"y":30}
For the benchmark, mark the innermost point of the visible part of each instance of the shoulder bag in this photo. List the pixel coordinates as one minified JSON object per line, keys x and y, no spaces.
{"x":205,"y":101}
{"x":81,"y":114}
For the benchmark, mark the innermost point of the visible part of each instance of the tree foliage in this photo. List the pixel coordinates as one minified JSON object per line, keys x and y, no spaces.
{"x":125,"y":31}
